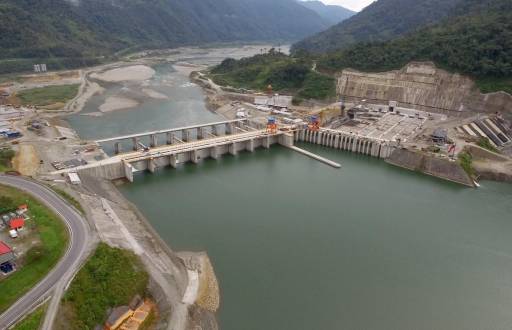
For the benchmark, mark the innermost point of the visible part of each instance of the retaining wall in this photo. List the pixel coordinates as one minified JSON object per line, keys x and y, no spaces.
{"x":438,"y":167}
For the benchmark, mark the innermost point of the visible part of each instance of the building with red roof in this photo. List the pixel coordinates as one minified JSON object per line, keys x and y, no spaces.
{"x":17,"y":223}
{"x":22,"y":209}
{"x":6,"y":254}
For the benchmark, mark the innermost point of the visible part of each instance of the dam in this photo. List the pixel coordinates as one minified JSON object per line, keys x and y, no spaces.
{"x":212,"y":140}
{"x":207,"y":142}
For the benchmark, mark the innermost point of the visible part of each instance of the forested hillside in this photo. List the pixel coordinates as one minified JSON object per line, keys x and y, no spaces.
{"x":382,"y":20}
{"x":285,"y":73}
{"x":334,"y":14}
{"x":78,"y":31}
{"x":478,"y":44}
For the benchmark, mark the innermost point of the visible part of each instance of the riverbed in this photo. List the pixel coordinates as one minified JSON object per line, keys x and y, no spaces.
{"x":299,"y":245}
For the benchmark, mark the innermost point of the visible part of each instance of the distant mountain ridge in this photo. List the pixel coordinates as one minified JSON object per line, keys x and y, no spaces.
{"x":334,"y":14}
{"x":79,"y":29}
{"x":380,"y":21}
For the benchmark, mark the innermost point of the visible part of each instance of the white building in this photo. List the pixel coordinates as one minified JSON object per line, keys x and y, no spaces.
{"x":277,"y":101}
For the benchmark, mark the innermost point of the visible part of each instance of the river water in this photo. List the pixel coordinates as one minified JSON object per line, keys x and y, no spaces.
{"x":299,"y":245}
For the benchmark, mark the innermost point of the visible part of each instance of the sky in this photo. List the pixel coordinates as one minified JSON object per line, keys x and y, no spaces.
{"x":356,"y":5}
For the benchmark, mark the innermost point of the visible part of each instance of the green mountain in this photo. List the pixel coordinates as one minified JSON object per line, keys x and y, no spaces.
{"x":332,"y":13}
{"x":478,"y":42}
{"x":76,"y":31}
{"x":382,"y":20}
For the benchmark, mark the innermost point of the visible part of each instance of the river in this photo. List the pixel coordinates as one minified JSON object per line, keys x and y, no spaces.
{"x":299,"y":245}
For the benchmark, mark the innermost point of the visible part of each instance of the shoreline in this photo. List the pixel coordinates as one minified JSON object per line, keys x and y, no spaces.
{"x":167,"y":289}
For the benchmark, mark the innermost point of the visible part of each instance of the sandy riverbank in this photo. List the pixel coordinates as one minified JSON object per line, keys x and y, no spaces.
{"x":154,"y":94}
{"x":115,"y":103}
{"x":128,"y":73}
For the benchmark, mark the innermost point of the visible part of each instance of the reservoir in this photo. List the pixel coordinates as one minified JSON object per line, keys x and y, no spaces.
{"x":299,"y":245}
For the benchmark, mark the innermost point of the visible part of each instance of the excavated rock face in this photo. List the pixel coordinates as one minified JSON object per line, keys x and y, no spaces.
{"x":422,"y":86}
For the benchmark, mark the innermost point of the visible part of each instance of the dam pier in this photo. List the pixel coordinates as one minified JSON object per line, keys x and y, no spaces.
{"x":194,"y":143}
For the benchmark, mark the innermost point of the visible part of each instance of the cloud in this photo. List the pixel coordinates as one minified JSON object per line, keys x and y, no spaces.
{"x":356,"y":5}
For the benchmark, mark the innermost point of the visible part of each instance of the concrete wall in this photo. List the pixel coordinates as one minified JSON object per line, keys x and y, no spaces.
{"x":484,"y":154}
{"x":438,"y":167}
{"x":424,"y":87}
{"x":110,"y":172}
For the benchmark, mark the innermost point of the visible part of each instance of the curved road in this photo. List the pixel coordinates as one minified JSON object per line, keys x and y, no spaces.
{"x":69,"y":263}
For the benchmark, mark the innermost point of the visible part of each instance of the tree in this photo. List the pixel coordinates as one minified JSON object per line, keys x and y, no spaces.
{"x":7,"y":204}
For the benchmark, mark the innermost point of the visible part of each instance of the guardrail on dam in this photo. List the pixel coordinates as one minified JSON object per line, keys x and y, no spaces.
{"x":215,"y":139}
{"x":202,"y":131}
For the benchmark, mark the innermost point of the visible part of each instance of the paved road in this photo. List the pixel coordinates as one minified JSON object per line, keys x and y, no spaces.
{"x":68,"y":265}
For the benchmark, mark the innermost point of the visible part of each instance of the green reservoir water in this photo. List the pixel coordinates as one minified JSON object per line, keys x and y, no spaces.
{"x":299,"y":245}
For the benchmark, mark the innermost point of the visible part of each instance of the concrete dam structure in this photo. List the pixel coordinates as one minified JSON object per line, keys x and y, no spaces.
{"x":193,"y":143}
{"x":421,"y":86}
{"x":237,"y":136}
{"x":350,"y":142}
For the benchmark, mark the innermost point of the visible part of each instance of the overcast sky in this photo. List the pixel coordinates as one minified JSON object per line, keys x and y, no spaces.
{"x":356,"y":5}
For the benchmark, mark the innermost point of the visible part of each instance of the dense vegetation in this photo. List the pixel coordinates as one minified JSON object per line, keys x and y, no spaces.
{"x":382,"y":20}
{"x":110,"y":278}
{"x":7,"y":204}
{"x":41,"y":258}
{"x":66,"y":33}
{"x":5,"y":159}
{"x":493,"y":84}
{"x":49,"y":95}
{"x":286,"y":75}
{"x":478,"y":44}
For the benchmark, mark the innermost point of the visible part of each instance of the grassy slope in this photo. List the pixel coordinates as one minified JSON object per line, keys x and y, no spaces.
{"x":5,"y":159}
{"x":490,"y":84}
{"x":33,"y":321}
{"x":110,"y":278}
{"x":70,"y":199}
{"x":48,"y":95}
{"x":54,"y":238}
